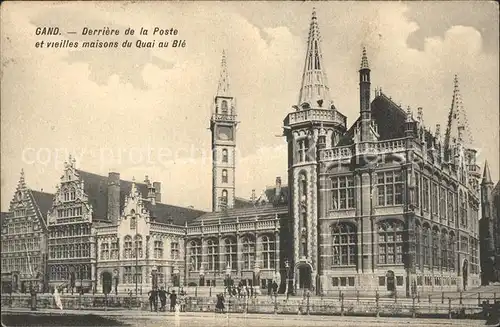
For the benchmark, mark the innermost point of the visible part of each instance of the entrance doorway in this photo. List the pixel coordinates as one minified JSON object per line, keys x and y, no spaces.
{"x":304,"y":277}
{"x":390,"y":281}
{"x":106,"y":282}
{"x":465,"y":273}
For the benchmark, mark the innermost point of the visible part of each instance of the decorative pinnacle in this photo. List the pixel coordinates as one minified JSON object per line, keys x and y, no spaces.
{"x":364,"y":60}
{"x":223,"y":87}
{"x":409,"y":115}
{"x":314,"y":13}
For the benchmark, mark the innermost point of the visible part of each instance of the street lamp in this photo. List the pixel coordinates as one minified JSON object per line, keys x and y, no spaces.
{"x":202,"y":275}
{"x":228,"y":277}
{"x":154,"y":282}
{"x":256,"y":271}
{"x":287,"y":268}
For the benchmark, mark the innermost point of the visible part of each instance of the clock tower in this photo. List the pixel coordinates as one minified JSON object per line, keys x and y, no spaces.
{"x":223,"y":128}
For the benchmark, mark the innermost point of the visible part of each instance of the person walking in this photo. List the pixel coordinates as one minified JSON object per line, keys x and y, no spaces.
{"x":153,"y":295}
{"x":275,"y":288}
{"x":57,"y":299}
{"x":219,"y":306}
{"x":163,"y":298}
{"x":173,"y":301}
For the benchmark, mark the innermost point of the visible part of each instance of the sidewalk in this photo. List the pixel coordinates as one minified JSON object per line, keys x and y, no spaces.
{"x":258,"y":316}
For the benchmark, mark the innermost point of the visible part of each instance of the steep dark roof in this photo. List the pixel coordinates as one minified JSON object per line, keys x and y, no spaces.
{"x":96,"y":188}
{"x":3,"y":215}
{"x":388,"y":116}
{"x":242,"y":203}
{"x":43,"y":201}
{"x":282,"y":198}
{"x":170,"y":214}
{"x":243,"y":214}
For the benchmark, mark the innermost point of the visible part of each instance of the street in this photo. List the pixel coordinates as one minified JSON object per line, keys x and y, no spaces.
{"x":45,"y":318}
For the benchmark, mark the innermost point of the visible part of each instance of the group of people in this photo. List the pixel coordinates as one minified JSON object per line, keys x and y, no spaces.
{"x":243,"y":290}
{"x":175,"y":302}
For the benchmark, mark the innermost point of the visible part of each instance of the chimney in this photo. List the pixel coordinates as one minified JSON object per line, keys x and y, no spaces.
{"x":157,"y":187}
{"x":253,"y":198}
{"x":278,"y":188}
{"x":113,"y":197}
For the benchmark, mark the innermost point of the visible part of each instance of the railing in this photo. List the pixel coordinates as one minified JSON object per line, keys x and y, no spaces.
{"x":316,"y":114}
{"x":223,"y":117}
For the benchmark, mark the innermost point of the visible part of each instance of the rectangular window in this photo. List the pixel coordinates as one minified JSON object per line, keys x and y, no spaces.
{"x":351,"y":281}
{"x":343,"y":281}
{"x":335,"y":281}
{"x":451,"y":208}
{"x":399,"y":280}
{"x":390,"y":188}
{"x":342,"y":192}
{"x":442,"y":203}
{"x":417,"y":190}
{"x":381,"y":281}
{"x":434,"y":198}
{"x":425,"y":194}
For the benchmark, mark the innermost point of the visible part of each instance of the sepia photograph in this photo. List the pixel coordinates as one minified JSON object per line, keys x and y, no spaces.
{"x":250,"y":163}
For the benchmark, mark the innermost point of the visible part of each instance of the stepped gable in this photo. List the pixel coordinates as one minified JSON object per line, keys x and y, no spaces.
{"x":96,"y":188}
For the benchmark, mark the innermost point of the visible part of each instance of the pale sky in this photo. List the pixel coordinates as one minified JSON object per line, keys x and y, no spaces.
{"x":99,"y":103}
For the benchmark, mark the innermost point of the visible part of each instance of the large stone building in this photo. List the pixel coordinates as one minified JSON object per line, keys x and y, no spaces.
{"x":24,"y":239}
{"x":489,"y":229}
{"x":383,"y":205}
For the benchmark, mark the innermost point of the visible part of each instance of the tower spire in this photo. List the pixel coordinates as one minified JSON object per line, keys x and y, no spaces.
{"x":314,"y":88}
{"x":486,"y":174}
{"x":223,"y":87}
{"x":364,"y":60}
{"x":457,"y":129}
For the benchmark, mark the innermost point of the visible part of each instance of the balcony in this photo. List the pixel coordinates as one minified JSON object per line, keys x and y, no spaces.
{"x":223,"y":117}
{"x":316,"y":114}
{"x":368,"y":148}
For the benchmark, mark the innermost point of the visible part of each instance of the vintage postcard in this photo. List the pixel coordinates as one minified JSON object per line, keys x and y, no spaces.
{"x":234,"y":163}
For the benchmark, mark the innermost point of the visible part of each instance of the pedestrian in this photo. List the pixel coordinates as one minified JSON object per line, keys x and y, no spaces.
{"x":247,"y":290}
{"x":275,"y":288}
{"x":57,"y":299}
{"x":163,"y":298}
{"x":173,"y":301}
{"x":219,"y":306}
{"x":269,"y":289}
{"x":153,"y":300}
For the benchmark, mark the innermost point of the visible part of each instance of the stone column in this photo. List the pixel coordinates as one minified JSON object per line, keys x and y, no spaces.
{"x":365,"y":232}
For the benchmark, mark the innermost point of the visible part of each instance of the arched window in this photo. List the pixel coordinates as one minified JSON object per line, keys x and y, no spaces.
{"x":174,"y":250}
{"x":426,"y":242}
{"x":436,"y":254}
{"x":463,"y":209}
{"x":451,"y":211}
{"x":390,"y":242}
{"x":104,"y":251}
{"x":230,"y":253}
{"x":195,"y":255}
{"x":224,"y":175}
{"x":418,"y":245}
{"x":451,"y":251}
{"x":72,"y":194}
{"x":444,"y":249}
{"x":127,"y":247}
{"x":133,"y":222}
{"x":213,"y":254}
{"x":344,"y":244}
{"x":158,"y":251}
{"x":268,"y":252}
{"x":224,"y":156}
{"x":138,"y":246}
{"x":224,"y":107}
{"x":248,"y":252}
{"x":224,"y":196}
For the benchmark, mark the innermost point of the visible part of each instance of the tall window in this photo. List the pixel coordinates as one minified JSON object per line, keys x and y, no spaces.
{"x":417,"y":190}
{"x":127,"y":247}
{"x":463,"y":209}
{"x":224,"y":107}
{"x":426,"y":242}
{"x":474,"y":258}
{"x":114,"y":250}
{"x":268,"y":252}
{"x":224,"y":197}
{"x":442,"y":203}
{"x":390,"y":188}
{"x":174,"y":250}
{"x":444,"y":250}
{"x":248,"y":252}
{"x":160,"y":275}
{"x":133,"y":223}
{"x":230,"y":253}
{"x":451,"y":251}
{"x":303,"y":145}
{"x":158,"y":251}
{"x":425,"y":194}
{"x":451,"y":208}
{"x":342,"y":192}
{"x":195,"y":255}
{"x":138,"y":275}
{"x":434,"y":198}
{"x":213,"y":254}
{"x":344,"y":245}
{"x":224,"y":155}
{"x":224,"y":175}
{"x":104,"y":251}
{"x":436,"y":254}
{"x":418,"y":245}
{"x":127,"y":275}
{"x":390,"y":242}
{"x":138,"y":246}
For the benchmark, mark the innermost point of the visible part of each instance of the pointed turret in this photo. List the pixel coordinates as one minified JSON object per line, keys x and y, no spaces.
{"x":364,"y":60}
{"x":314,"y":89}
{"x":457,"y":130}
{"x":223,"y":86}
{"x":486,"y":175}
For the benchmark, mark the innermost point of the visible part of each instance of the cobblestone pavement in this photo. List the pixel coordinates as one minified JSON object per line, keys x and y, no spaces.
{"x":153,"y":319}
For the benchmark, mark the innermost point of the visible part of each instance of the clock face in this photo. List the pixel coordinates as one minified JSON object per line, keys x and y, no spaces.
{"x":225,"y":133}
